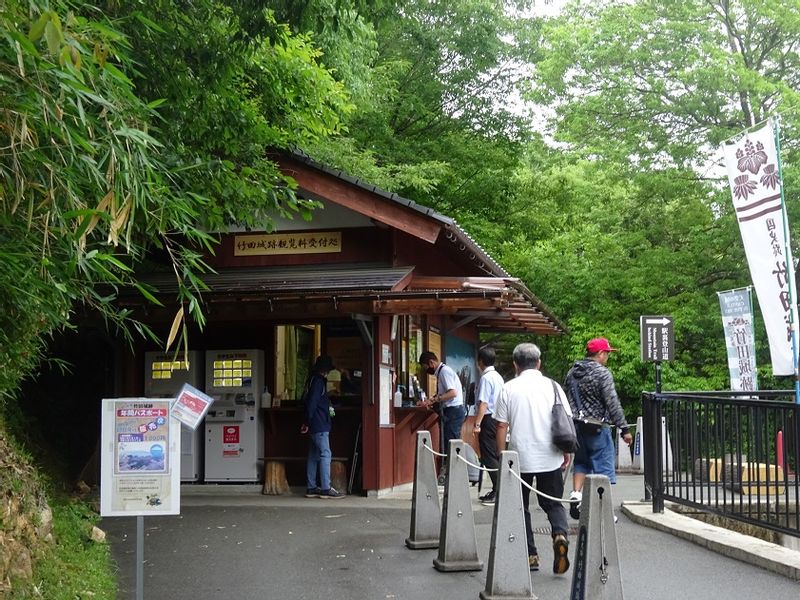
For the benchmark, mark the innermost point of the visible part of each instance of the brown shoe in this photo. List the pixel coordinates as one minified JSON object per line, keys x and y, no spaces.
{"x":560,"y":554}
{"x":533,"y":562}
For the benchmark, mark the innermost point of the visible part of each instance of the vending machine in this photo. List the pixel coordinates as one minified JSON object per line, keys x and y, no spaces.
{"x":234,"y":425}
{"x":163,"y":378}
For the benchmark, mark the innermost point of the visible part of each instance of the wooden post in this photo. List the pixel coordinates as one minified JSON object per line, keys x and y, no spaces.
{"x":339,"y":475}
{"x":275,"y":483}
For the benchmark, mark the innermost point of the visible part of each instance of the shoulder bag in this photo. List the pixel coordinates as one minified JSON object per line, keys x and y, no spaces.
{"x":562,"y":427}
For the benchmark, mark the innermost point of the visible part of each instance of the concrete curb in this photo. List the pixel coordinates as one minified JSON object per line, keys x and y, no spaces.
{"x":754,"y":551}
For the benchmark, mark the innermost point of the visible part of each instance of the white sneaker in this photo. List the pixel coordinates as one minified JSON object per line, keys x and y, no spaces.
{"x":575,"y":504}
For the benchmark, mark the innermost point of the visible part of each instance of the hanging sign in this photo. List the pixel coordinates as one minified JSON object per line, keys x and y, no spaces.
{"x":191,"y":406}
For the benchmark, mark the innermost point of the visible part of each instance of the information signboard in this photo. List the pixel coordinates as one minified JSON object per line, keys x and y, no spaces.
{"x":657,"y":337}
{"x":139,"y":458}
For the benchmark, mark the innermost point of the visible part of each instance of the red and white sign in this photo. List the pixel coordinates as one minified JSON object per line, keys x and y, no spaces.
{"x":230,"y":440}
{"x":191,"y":406}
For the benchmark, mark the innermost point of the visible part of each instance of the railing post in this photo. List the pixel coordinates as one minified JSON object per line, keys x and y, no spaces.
{"x":653,"y":457}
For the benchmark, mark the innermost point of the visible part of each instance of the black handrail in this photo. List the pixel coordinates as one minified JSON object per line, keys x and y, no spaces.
{"x":733,"y":454}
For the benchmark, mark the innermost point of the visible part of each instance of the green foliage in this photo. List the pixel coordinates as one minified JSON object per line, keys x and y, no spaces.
{"x":75,"y":566}
{"x":667,"y":81}
{"x":67,"y":565}
{"x":132,"y":133}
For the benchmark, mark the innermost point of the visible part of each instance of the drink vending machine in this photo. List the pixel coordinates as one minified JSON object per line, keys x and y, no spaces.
{"x":164,"y":378}
{"x":234,"y":424}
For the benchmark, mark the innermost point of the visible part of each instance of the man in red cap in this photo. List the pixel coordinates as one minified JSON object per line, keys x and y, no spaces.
{"x":595,"y":406}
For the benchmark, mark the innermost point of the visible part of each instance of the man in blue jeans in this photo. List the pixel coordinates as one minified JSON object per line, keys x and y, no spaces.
{"x":449,"y":397}
{"x":590,"y":388}
{"x":318,"y":420}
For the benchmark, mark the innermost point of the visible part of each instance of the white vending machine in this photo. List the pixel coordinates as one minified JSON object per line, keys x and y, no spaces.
{"x":234,"y":426}
{"x":164,"y":378}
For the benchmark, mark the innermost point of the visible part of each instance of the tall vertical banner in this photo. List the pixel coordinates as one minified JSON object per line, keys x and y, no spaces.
{"x":737,"y":322}
{"x":754,"y":176}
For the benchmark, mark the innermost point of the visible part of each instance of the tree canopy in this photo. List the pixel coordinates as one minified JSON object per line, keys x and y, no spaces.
{"x":132,"y":128}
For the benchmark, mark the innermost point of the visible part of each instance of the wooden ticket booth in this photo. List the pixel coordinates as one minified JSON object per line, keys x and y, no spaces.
{"x":372,"y":280}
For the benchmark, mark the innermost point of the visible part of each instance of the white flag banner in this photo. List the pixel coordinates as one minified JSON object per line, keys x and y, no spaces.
{"x":753,"y":174}
{"x":737,"y":321}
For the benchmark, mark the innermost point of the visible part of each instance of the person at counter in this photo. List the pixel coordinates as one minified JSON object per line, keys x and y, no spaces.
{"x":490,"y":386}
{"x":449,"y":397}
{"x":318,"y":422}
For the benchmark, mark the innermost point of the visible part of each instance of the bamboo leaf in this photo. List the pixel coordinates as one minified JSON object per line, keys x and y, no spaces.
{"x":119,"y":221}
{"x":116,"y":73}
{"x":114,"y":261}
{"x":90,"y":222}
{"x":147,"y":22}
{"x":37,"y":29}
{"x":146,"y":293}
{"x":176,"y":325}
{"x":52,"y":34}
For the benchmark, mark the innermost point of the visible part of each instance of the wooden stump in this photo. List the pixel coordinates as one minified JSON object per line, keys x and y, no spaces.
{"x":275,"y":483}
{"x":339,"y":475}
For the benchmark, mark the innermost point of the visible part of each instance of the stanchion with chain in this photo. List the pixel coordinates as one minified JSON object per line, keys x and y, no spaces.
{"x":509,"y":577}
{"x":596,"y":571}
{"x":426,"y":516}
{"x":458,"y":545}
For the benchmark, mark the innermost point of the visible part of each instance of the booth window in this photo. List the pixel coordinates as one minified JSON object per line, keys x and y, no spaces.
{"x":408,"y":342}
{"x":296,"y":349}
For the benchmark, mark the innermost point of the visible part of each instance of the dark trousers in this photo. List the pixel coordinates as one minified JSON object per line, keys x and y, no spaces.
{"x":487,"y":442}
{"x":552,"y":484}
{"x":451,"y":419}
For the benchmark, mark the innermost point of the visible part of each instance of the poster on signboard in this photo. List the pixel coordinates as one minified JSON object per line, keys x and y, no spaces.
{"x":190,"y":406}
{"x":140,"y":458}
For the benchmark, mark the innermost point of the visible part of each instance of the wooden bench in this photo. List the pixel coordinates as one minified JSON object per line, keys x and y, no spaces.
{"x":275,"y":483}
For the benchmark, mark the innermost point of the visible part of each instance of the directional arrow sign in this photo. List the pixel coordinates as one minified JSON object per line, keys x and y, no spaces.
{"x":658,"y":338}
{"x":663,"y":321}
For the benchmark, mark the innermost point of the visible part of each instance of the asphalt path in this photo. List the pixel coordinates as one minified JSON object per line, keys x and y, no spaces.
{"x":248,"y":546}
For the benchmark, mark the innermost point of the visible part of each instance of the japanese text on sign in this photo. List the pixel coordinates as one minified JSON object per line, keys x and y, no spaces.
{"x":313,"y":242}
{"x":657,"y":338}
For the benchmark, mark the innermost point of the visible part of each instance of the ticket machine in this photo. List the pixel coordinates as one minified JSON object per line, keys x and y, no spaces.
{"x":164,"y":375}
{"x":234,"y":425}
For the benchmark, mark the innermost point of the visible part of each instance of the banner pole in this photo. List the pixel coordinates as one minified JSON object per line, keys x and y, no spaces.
{"x":789,"y":263}
{"x":749,"y":289}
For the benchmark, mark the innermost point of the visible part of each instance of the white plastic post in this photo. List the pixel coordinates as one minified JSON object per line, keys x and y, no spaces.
{"x":596,"y":572}
{"x":426,"y":516}
{"x":509,"y":577}
{"x":458,"y":544}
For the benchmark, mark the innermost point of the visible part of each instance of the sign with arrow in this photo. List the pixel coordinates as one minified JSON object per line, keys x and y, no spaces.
{"x":658,"y":338}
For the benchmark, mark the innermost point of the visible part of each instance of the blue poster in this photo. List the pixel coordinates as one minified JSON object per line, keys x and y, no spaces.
{"x":460,"y":356}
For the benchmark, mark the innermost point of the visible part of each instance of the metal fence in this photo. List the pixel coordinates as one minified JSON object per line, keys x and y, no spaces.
{"x":732,"y":454}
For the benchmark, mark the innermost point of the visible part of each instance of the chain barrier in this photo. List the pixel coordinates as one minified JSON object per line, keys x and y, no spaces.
{"x":535,"y":491}
{"x":474,"y":466}
{"x":432,"y":451}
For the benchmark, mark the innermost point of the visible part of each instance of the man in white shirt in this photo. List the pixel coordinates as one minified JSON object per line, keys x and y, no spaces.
{"x":490,"y":386}
{"x":449,"y":397}
{"x":526,"y":406}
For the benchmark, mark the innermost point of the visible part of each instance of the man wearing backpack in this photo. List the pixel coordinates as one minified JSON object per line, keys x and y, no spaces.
{"x":590,"y":388}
